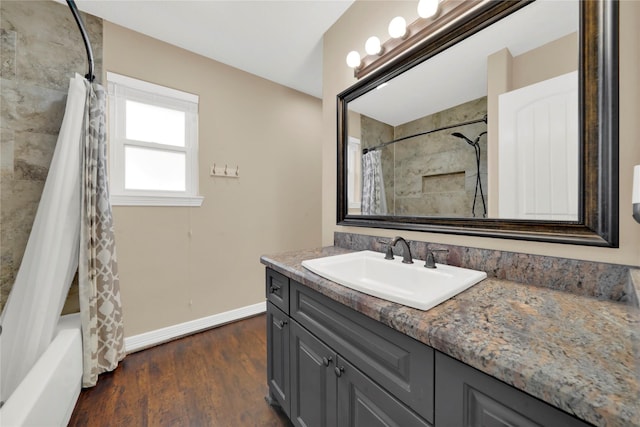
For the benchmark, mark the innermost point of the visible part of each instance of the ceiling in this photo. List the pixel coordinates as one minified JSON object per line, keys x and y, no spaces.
{"x":278,"y":40}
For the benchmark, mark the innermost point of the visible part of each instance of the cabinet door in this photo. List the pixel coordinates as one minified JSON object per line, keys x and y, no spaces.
{"x":363,"y":403}
{"x":398,"y":363}
{"x":278,"y":356}
{"x":313,"y":381}
{"x":468,"y":397}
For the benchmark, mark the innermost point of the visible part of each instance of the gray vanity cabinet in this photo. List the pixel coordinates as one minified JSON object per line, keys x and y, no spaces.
{"x":342,"y":368}
{"x":466,"y":396}
{"x":329,"y":366}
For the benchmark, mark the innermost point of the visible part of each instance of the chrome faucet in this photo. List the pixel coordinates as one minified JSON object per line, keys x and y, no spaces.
{"x":406,"y":252}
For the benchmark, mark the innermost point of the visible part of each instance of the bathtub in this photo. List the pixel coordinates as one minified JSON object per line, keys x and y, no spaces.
{"x":48,"y":394}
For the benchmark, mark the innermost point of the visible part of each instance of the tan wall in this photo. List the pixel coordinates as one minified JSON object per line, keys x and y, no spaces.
{"x":179,"y":264}
{"x":545,"y":62}
{"x":365,"y":18}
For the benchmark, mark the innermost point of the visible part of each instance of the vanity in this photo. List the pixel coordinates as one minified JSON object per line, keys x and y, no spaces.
{"x":499,"y":353}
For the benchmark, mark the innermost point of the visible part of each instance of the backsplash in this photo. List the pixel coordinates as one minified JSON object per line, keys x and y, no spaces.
{"x":587,"y":278}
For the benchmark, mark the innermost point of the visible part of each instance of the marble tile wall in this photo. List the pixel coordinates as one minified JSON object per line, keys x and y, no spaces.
{"x":593,"y":279}
{"x":40,"y":50}
{"x":425,"y":164}
{"x":433,"y":174}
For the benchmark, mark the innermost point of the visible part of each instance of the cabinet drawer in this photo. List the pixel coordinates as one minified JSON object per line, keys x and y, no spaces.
{"x":278,"y":290}
{"x":400,"y":364}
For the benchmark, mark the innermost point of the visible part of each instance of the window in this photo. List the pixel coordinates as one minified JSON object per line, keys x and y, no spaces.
{"x":153,"y":138}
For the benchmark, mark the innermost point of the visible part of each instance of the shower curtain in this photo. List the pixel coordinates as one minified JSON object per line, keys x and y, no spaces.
{"x":374,"y":201}
{"x":51,"y":257}
{"x":54,"y":252}
{"x":100,"y":307}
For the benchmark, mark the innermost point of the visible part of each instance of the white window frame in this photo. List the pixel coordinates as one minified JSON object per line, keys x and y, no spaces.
{"x":122,"y":88}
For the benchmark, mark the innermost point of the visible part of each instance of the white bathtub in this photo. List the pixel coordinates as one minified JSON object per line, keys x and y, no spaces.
{"x":48,"y":394}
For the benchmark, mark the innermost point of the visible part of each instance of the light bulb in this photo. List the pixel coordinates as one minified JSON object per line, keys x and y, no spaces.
{"x":372,"y":46}
{"x":427,"y":8}
{"x":353,"y":59}
{"x":397,"y":27}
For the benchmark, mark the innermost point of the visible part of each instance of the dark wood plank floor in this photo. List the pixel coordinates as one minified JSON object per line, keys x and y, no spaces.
{"x":213,"y":378}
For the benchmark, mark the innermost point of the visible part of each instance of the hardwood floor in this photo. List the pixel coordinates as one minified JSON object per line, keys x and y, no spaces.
{"x":213,"y":378}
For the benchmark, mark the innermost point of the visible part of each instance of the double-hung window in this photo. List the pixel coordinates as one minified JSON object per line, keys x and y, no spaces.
{"x":153,"y":138}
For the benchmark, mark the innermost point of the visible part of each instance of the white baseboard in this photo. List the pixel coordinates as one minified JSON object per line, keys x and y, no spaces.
{"x":159,"y":336}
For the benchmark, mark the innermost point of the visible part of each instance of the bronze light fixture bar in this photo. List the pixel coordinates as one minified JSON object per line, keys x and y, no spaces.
{"x":420,"y":32}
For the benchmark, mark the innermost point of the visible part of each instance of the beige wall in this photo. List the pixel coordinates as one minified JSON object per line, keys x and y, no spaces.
{"x":366,"y":18}
{"x":178,"y":263}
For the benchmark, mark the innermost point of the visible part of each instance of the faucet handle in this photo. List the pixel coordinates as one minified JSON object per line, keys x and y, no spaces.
{"x":389,"y":251}
{"x":431,"y":260}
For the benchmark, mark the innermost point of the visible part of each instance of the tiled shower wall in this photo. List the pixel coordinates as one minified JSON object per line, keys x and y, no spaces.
{"x":41,"y":49}
{"x":434,"y":174}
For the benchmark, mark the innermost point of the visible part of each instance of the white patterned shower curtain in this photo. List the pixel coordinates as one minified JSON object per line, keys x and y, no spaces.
{"x":374,"y":200}
{"x":54,"y":252}
{"x":100,"y":307}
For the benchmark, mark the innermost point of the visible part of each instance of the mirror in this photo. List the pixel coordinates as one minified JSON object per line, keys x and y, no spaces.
{"x":503,"y":125}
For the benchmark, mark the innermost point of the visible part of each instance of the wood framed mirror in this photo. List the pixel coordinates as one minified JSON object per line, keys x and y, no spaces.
{"x":425,"y":198}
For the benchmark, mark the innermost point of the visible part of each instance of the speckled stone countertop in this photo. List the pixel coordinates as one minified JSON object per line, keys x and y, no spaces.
{"x":577,"y":353}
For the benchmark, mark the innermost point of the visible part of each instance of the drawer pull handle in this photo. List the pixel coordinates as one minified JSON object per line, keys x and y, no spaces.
{"x":339,"y":370}
{"x":282,"y":323}
{"x":326,"y":360}
{"x":273,"y":289}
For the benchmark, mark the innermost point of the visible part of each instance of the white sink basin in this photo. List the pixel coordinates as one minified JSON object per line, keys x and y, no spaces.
{"x":408,"y":284}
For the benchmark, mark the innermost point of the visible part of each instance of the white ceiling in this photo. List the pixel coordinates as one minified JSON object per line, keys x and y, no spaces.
{"x":278,"y":40}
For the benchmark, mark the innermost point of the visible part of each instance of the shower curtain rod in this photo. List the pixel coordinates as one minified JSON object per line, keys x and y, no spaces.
{"x":87,"y":44}
{"x":384,"y":144}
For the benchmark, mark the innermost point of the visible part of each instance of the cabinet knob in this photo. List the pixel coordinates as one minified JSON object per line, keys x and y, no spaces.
{"x":282,"y":323}
{"x":326,"y":360}
{"x":273,"y":289}
{"x":339,"y":370}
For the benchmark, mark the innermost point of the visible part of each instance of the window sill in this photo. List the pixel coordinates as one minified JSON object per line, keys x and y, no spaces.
{"x":119,"y":200}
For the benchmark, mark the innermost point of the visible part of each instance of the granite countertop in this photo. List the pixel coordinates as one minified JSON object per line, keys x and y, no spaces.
{"x":577,"y":353}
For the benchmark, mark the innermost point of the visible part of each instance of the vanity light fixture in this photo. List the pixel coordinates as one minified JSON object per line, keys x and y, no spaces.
{"x":373,"y":46}
{"x":353,"y":59}
{"x":433,"y":16}
{"x":427,"y":8}
{"x":398,"y":28}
